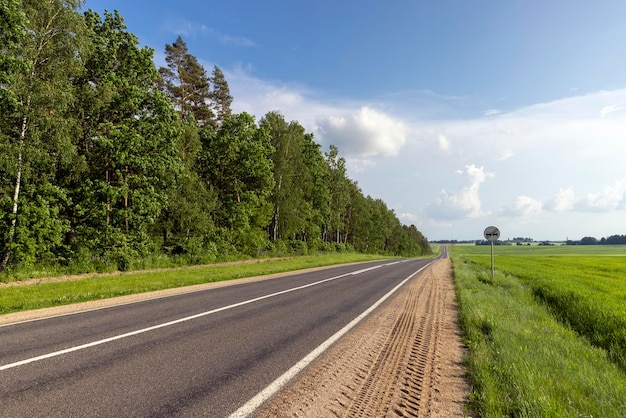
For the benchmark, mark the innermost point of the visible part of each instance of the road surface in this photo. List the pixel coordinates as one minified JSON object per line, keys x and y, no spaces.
{"x":206,"y":353}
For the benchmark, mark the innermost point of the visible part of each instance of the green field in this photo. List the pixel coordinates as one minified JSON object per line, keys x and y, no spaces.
{"x":547,"y":335}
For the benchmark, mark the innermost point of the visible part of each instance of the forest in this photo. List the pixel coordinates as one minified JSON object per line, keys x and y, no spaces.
{"x":106,"y":159}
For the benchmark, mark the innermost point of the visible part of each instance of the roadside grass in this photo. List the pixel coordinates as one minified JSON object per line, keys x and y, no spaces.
{"x":102,"y":286}
{"x":585,"y":292}
{"x":523,"y":362}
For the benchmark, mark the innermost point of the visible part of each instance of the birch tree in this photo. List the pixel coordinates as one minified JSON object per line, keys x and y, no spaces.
{"x":37,"y":132}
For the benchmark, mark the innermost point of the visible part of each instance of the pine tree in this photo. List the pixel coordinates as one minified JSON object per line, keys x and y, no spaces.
{"x":220,"y":95}
{"x":186,"y":83}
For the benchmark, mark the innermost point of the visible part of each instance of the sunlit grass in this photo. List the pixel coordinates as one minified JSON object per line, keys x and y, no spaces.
{"x":524,"y":360}
{"x":587,"y":292}
{"x":18,"y":298}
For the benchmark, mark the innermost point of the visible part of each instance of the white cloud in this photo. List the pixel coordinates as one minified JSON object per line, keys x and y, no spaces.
{"x":409,"y":217}
{"x":522,"y":206}
{"x":359,"y":165}
{"x":610,"y":109}
{"x":444,"y":144}
{"x":186,"y":28}
{"x":359,"y":131}
{"x":505,"y":155}
{"x":571,"y":124}
{"x":464,"y":203}
{"x":563,"y":201}
{"x":492,"y":112}
{"x":368,"y":133}
{"x":610,"y":198}
{"x":258,"y":97}
{"x":236,"y":41}
{"x":190,"y":29}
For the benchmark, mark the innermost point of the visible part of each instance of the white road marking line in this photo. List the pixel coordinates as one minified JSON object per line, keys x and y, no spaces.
{"x":251,"y":406}
{"x":167,"y":324}
{"x":354,"y":273}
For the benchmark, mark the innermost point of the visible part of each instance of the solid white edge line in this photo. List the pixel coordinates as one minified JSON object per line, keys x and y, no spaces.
{"x":165,"y":324}
{"x":251,"y":406}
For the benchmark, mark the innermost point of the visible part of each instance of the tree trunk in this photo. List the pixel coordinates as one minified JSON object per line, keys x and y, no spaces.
{"x":126,"y":202}
{"x":16,"y":193}
{"x":108,"y":209}
{"x":277,"y":209}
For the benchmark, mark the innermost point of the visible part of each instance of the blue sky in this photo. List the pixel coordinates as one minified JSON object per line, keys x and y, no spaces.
{"x":458,"y":114}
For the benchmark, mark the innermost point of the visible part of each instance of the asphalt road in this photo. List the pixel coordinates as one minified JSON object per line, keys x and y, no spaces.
{"x":204,"y":353}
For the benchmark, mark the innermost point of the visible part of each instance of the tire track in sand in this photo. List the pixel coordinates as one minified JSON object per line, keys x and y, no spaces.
{"x":395,"y":378}
{"x":392,"y":365}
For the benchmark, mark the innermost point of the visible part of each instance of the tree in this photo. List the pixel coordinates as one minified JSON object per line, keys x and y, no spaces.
{"x":128,"y":139}
{"x":417,"y":243}
{"x":588,"y":241}
{"x":315,"y":180}
{"x":37,"y":131}
{"x":289,"y":173}
{"x":220,"y":95}
{"x":12,"y":32}
{"x":359,"y":220}
{"x":186,"y":222}
{"x":239,"y":169}
{"x":12,"y":65}
{"x":339,"y":193}
{"x":186,"y":83}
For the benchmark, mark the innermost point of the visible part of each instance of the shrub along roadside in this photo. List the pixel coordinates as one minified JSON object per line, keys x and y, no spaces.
{"x":522,"y":361}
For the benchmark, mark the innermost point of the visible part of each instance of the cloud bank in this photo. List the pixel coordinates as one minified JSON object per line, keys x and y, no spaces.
{"x":560,"y":157}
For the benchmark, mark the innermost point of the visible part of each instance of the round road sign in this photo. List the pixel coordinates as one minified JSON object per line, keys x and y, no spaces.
{"x":492,"y":233}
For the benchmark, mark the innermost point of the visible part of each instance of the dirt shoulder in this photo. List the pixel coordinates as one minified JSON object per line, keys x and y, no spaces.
{"x":405,"y":360}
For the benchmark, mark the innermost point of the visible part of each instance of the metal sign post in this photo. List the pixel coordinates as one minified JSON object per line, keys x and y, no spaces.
{"x":492,"y":234}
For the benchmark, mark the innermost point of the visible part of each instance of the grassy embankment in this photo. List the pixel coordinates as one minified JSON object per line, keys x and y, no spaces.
{"x":101,"y":286}
{"x":546,"y":336}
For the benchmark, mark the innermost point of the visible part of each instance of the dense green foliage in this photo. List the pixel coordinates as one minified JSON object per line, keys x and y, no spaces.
{"x":106,"y":160}
{"x":546,"y":336}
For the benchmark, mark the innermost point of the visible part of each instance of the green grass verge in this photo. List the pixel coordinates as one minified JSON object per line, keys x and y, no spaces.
{"x":47,"y":294}
{"x":522,"y":360}
{"x":585,"y":288}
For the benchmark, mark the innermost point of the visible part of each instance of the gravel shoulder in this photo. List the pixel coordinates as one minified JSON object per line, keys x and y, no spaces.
{"x":405,"y":360}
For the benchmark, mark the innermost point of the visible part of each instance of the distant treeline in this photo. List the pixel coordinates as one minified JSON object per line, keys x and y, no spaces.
{"x":105,"y":159}
{"x":612,"y":240}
